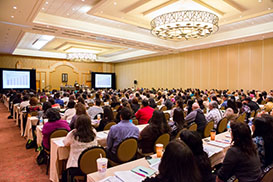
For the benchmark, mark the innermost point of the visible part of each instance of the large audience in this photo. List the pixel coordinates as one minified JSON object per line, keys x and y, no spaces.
{"x":184,"y":158}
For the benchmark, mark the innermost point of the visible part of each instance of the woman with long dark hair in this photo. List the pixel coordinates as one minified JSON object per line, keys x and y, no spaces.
{"x":241,"y":159}
{"x":157,"y":126}
{"x":263,"y":138}
{"x":106,"y":118}
{"x":195,"y":143}
{"x":79,"y":139}
{"x":178,"y":122}
{"x":177,"y":165}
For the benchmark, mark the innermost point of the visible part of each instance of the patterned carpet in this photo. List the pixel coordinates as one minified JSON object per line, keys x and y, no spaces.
{"x":16,"y":162}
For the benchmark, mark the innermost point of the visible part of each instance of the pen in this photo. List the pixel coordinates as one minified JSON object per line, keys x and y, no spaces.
{"x":140,"y":174}
{"x":143,"y":171}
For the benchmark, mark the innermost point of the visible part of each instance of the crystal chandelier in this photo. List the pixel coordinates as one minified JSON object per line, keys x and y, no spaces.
{"x":188,"y":24}
{"x":81,"y":56}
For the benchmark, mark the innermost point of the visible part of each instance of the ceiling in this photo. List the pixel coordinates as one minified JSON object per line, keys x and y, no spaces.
{"x":118,"y":30}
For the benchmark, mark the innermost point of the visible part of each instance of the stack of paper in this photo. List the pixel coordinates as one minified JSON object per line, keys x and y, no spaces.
{"x":111,"y":179}
{"x":211,"y":150}
{"x":102,"y":134}
{"x":128,"y":176}
{"x":219,"y":144}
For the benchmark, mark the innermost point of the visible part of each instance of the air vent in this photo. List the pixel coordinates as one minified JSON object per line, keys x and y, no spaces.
{"x":72,"y":35}
{"x":75,"y":33}
{"x":44,"y":29}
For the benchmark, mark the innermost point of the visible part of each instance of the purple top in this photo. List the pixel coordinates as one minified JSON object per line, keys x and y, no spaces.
{"x":49,"y":127}
{"x":124,"y":129}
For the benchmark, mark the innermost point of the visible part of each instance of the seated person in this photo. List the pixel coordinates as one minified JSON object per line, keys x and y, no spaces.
{"x":106,"y":118}
{"x":157,"y":126}
{"x":178,"y":122}
{"x":119,"y":132}
{"x":241,"y":159}
{"x":54,"y":122}
{"x":263,"y":139}
{"x":197,"y":116}
{"x":24,"y":103}
{"x":94,"y":110}
{"x":195,"y":143}
{"x":34,"y":105}
{"x":70,"y":111}
{"x":144,"y":114}
{"x":214,"y":113}
{"x":58,"y":100}
{"x":79,"y":139}
{"x":269,"y":105}
{"x":54,"y":104}
{"x":177,"y":165}
{"x":80,"y":109}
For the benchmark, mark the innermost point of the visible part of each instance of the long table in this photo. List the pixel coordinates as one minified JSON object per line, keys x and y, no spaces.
{"x":59,"y":152}
{"x":215,"y":159}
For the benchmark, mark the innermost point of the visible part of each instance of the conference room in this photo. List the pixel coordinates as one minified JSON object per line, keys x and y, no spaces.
{"x":139,"y":90}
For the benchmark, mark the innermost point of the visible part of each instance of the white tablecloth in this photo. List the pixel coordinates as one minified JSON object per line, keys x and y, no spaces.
{"x":31,"y":121}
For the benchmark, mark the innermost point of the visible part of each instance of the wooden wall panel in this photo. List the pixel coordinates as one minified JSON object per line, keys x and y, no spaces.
{"x":245,"y":65}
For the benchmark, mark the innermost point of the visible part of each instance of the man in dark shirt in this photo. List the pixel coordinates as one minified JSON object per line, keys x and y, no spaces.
{"x":253,"y":105}
{"x":198,"y":117}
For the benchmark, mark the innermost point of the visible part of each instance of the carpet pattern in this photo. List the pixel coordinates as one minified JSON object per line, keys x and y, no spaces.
{"x":17,"y":164}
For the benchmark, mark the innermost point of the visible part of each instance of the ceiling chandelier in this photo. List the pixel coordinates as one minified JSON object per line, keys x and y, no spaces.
{"x":81,"y":56}
{"x":188,"y":24}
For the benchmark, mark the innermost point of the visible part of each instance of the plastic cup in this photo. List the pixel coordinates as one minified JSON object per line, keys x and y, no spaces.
{"x":159,"y":150}
{"x":212,"y":135}
{"x":102,"y":165}
{"x":45,"y":121}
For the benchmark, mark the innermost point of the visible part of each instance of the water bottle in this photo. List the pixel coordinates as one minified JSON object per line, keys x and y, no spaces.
{"x":228,"y":127}
{"x":41,"y":121}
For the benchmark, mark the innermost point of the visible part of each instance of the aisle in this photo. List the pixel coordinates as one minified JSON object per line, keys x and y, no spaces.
{"x":16,"y":162}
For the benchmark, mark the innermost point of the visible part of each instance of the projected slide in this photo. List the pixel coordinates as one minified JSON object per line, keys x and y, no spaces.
{"x":103,"y":81}
{"x":16,"y":79}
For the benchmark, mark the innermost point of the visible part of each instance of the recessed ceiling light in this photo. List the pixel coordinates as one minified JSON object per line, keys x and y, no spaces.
{"x":46,"y":2}
{"x":12,"y":16}
{"x":259,"y":1}
{"x":83,"y":0}
{"x":43,"y":8}
{"x":115,"y":3}
{"x":101,"y":11}
{"x":14,"y":7}
{"x":67,"y":14}
{"x":269,"y":8}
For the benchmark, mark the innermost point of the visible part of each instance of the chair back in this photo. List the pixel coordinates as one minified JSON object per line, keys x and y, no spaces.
{"x":135,"y":121}
{"x":240,"y":118}
{"x":109,"y":125}
{"x":167,"y":116}
{"x":178,"y":134}
{"x":163,"y":108}
{"x":252,"y":115}
{"x":34,"y":113}
{"x":208,"y":129}
{"x":87,"y":161}
{"x":163,"y":139}
{"x":192,"y":127}
{"x":60,"y":132}
{"x":127,"y":149}
{"x":267,"y":175}
{"x":222,"y":108}
{"x":116,"y":107}
{"x":222,"y":125}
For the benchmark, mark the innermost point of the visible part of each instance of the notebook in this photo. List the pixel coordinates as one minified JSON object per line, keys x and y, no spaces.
{"x":211,"y":150}
{"x":144,"y":171}
{"x":128,"y":176}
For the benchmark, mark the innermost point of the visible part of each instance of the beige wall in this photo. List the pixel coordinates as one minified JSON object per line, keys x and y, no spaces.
{"x":246,"y":65}
{"x":49,"y":71}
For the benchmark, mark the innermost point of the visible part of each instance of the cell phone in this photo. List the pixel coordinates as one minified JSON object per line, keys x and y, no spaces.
{"x":148,"y":157}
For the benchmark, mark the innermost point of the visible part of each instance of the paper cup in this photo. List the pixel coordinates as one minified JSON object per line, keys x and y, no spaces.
{"x":212,"y":135}
{"x":98,"y":117}
{"x":102,"y":165}
{"x":45,"y":121}
{"x":159,"y":150}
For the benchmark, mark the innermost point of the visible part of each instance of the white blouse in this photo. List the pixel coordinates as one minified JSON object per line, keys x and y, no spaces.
{"x":76,"y":148}
{"x":69,"y":113}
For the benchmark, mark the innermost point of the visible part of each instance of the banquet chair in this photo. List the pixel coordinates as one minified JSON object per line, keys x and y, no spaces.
{"x":60,"y":132}
{"x":135,"y":121}
{"x":167,"y":116}
{"x":163,"y":139}
{"x":163,"y":108}
{"x":108,"y":125}
{"x":222,"y":125}
{"x":192,"y":127}
{"x":115,"y":113}
{"x":252,"y":115}
{"x":208,"y":129}
{"x":240,"y":118}
{"x":126,"y":151}
{"x":87,"y":162}
{"x":267,"y":175}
